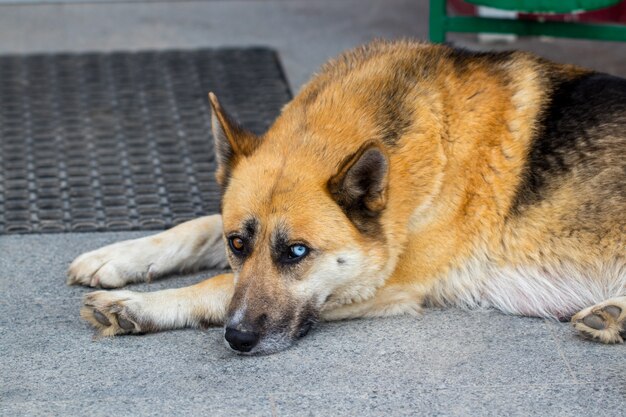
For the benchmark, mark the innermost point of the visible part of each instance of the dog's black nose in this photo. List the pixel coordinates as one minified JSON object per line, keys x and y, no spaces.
{"x":241,"y":341}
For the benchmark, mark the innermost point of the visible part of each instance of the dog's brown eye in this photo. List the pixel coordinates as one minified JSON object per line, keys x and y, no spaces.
{"x":236,"y":244}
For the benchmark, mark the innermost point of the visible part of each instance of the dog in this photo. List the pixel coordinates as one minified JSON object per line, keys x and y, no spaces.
{"x":403,"y":175}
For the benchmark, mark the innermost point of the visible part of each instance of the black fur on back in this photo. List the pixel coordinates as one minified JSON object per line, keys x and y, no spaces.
{"x":577,"y":128}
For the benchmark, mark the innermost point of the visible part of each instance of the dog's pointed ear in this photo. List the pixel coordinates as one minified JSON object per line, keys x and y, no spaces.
{"x":360,"y":185}
{"x":232,"y":142}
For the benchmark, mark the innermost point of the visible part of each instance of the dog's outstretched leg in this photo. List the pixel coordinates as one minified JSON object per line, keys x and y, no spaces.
{"x":193,"y":245}
{"x":124,"y":312}
{"x":390,"y":300}
{"x":604,"y":322}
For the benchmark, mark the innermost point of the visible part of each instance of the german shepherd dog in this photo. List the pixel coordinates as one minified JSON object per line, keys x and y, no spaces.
{"x":403,"y":175}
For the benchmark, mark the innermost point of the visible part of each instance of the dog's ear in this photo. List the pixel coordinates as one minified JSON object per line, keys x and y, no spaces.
{"x":232,"y":142}
{"x":360,"y":185}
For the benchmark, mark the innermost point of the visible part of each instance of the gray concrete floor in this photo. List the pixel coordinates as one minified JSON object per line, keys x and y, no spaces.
{"x":448,"y":362}
{"x":445,"y":363}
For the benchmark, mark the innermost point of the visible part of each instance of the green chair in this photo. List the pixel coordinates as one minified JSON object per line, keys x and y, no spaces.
{"x":441,"y":23}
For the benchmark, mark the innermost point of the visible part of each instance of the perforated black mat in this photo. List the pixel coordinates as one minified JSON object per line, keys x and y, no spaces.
{"x":122,"y":141}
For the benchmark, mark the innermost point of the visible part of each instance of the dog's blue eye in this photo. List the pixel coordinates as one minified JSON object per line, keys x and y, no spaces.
{"x":297,"y":251}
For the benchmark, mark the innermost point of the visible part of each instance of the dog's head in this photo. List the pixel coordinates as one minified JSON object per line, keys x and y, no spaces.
{"x":303,"y":230}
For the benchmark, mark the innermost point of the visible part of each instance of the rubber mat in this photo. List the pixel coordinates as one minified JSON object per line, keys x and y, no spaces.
{"x":121,"y":141}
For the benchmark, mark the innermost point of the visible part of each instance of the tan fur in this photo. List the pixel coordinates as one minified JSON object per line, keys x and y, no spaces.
{"x":444,"y":229}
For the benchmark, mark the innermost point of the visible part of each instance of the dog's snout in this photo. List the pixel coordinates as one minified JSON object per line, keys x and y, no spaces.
{"x":241,"y":341}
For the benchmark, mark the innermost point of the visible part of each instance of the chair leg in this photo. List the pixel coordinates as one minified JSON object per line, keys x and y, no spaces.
{"x":437,"y":21}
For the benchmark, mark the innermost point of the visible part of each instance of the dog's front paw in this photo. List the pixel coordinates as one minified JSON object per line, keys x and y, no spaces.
{"x":113,"y":312}
{"x":113,"y":266}
{"x":604,"y":322}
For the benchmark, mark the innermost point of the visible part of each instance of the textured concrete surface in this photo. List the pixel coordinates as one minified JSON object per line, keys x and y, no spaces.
{"x":445,"y":363}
